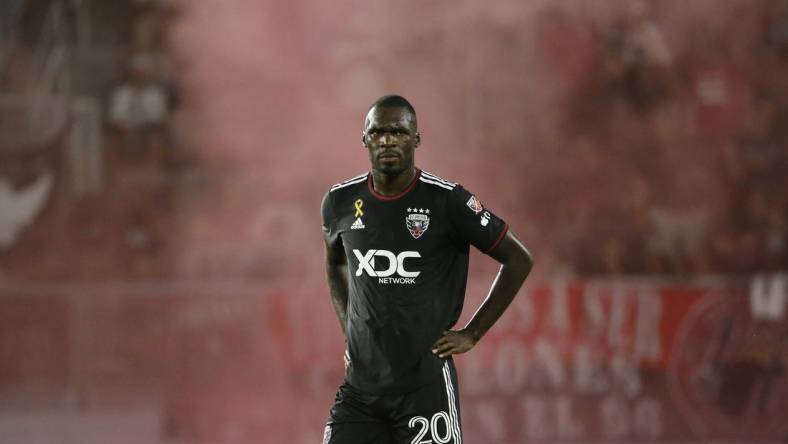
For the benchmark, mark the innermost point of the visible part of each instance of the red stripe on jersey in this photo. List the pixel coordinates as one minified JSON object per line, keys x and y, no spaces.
{"x":500,"y":238}
{"x":396,"y":196}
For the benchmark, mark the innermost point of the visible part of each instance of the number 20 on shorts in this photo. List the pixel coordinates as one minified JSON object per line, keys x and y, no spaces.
{"x":425,"y":425}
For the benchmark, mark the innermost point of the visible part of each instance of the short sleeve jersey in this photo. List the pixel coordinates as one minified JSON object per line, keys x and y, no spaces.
{"x":407,"y":261}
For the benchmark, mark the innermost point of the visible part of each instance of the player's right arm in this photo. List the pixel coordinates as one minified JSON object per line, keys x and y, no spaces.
{"x":336,"y":275}
{"x":336,"y":263}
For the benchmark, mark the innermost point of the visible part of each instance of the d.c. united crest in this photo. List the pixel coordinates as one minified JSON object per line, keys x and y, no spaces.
{"x":417,"y":221}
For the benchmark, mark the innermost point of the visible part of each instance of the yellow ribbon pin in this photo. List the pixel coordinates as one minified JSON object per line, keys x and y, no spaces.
{"x":359,"y":203}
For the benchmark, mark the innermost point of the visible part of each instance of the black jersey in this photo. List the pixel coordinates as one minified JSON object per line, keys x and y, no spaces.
{"x":408,"y":266}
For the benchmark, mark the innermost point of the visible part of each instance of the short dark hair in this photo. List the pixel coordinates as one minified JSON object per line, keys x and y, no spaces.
{"x":393,"y":101}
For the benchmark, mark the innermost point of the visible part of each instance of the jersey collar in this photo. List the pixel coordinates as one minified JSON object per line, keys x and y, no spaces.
{"x":396,"y":196}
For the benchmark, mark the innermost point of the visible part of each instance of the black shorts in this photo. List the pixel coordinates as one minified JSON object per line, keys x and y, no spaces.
{"x":429,"y":414}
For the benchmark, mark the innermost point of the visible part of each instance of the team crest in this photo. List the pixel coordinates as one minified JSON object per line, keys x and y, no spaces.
{"x":417,"y":221}
{"x":474,"y":204}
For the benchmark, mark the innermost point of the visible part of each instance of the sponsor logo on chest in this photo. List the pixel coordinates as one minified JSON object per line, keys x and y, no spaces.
{"x":394,"y":271}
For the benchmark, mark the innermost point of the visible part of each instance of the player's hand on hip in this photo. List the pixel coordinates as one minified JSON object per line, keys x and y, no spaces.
{"x":453,"y":342}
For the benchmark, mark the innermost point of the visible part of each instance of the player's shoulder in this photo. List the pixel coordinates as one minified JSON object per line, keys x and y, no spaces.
{"x":348,"y":183}
{"x":438,"y":183}
{"x":346,"y":189}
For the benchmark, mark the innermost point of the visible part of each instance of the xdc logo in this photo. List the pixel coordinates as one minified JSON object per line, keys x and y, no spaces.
{"x":396,"y":264}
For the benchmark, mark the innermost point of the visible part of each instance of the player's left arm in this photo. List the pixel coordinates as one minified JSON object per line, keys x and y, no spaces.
{"x":516,"y":262}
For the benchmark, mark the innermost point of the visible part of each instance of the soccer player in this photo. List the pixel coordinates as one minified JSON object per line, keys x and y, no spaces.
{"x":397,"y":241}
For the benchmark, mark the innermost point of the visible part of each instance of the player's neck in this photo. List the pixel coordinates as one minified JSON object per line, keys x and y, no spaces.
{"x":390,"y":185}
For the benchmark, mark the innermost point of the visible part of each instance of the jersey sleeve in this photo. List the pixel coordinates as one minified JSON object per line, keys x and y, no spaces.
{"x":473,"y":222}
{"x":330,"y":232}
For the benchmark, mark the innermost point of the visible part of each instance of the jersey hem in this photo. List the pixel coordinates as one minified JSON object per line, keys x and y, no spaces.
{"x":394,"y":389}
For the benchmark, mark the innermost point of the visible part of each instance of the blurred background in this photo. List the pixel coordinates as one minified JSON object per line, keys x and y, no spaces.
{"x":162,"y":165}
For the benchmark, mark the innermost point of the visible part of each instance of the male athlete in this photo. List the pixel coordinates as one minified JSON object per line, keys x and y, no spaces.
{"x":397,"y":242}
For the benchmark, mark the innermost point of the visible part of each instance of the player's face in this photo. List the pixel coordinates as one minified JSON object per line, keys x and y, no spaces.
{"x":391,"y":136}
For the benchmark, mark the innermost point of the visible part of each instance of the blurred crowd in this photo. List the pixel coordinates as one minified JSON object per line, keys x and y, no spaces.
{"x":661,"y":151}
{"x":127,"y":65}
{"x":672,"y":149}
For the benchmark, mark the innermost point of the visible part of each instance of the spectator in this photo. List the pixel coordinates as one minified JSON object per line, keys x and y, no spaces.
{"x":138,"y":105}
{"x":149,"y":41}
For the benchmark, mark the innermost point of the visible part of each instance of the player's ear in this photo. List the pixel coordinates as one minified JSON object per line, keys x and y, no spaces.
{"x":418,"y":139}
{"x":364,"y":139}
